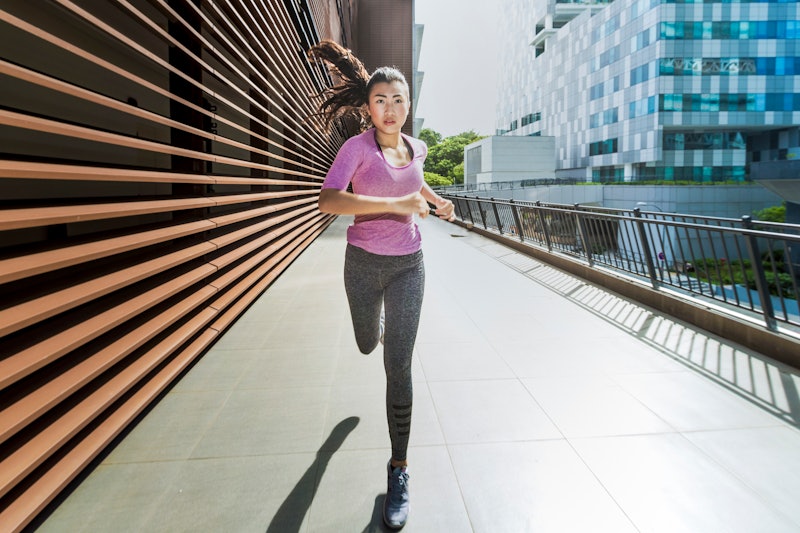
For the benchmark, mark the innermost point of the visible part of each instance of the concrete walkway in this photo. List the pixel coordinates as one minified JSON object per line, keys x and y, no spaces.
{"x":541,"y":404}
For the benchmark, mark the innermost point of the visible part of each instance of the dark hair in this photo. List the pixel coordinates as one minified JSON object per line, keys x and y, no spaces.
{"x":352,"y":83}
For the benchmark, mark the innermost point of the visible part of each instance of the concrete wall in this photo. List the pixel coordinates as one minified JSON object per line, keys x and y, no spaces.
{"x":509,"y":159}
{"x":729,"y":201}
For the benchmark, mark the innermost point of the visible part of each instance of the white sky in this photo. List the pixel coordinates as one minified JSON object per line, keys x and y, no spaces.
{"x":459,"y":58}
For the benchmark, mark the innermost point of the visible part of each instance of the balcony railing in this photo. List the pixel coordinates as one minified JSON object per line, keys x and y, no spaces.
{"x":506,"y":185}
{"x":747,"y":266}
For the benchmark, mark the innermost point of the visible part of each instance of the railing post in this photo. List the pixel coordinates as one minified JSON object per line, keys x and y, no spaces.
{"x":497,"y":216}
{"x":457,"y":206}
{"x":545,"y":229}
{"x":583,"y":235}
{"x":648,"y":256}
{"x":469,"y":210}
{"x":481,"y":211}
{"x":758,"y":272}
{"x":517,"y":220}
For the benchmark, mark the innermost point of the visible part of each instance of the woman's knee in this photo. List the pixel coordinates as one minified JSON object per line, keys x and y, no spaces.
{"x":367,"y":345}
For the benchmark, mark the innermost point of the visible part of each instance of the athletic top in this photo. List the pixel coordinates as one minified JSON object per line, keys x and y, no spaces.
{"x":360,"y":161}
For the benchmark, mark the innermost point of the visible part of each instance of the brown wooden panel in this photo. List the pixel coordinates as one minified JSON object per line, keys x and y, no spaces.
{"x":31,"y":311}
{"x":161,"y":167}
{"x":51,"y":171}
{"x":35,"y":263}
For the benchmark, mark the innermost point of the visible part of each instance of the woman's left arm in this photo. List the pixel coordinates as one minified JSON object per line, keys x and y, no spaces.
{"x":444,"y":207}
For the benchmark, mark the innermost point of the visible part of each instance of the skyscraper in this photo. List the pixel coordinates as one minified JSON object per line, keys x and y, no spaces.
{"x":675,"y":90}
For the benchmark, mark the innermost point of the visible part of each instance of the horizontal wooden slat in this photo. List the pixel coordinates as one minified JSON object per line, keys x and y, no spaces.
{"x":43,"y":125}
{"x":51,"y":171}
{"x":64,"y":214}
{"x":58,"y":258}
{"x":62,"y":257}
{"x":43,"y":307}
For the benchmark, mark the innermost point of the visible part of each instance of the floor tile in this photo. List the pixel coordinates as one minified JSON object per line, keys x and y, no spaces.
{"x":121,"y":498}
{"x":766,"y":459}
{"x":533,"y":486}
{"x":462,"y":361}
{"x":489,"y":411}
{"x":691,"y":402}
{"x":172,"y":429}
{"x":290,"y":367}
{"x":584,"y":406}
{"x":665,"y":484}
{"x":266,"y":421}
{"x":220,"y":370}
{"x":250,"y":494}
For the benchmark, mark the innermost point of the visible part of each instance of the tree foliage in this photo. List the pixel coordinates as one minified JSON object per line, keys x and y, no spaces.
{"x":446,"y":157}
{"x":458,"y":173}
{"x":435,"y":180}
{"x":430,"y":137}
{"x":776,"y":213}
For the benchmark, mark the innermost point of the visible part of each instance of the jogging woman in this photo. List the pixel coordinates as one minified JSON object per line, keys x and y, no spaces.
{"x":383,"y":271}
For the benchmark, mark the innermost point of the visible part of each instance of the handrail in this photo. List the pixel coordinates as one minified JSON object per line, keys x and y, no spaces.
{"x":744,"y":265}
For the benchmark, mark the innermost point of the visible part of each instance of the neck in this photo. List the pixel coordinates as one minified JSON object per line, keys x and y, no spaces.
{"x":388,"y":141}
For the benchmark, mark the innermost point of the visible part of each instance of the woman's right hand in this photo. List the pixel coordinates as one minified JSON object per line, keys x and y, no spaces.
{"x":412,"y":204}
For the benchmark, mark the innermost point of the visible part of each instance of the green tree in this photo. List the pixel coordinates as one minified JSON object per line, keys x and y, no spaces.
{"x":444,"y":157}
{"x":435,"y":180}
{"x":431,"y":138}
{"x":458,"y":173}
{"x":776,"y":213}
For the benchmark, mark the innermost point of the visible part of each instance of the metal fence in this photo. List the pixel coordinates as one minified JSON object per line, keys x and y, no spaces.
{"x":747,"y":265}
{"x":463,"y":188}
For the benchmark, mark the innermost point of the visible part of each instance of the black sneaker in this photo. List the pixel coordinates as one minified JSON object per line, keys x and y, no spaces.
{"x":395,"y":507}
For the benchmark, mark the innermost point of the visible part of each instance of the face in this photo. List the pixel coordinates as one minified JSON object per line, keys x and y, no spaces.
{"x":388,"y":106}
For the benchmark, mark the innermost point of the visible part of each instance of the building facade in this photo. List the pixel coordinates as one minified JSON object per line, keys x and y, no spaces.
{"x":499,"y":158}
{"x":674,"y":90}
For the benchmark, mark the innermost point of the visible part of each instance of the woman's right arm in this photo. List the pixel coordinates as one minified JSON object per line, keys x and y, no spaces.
{"x":338,"y":202}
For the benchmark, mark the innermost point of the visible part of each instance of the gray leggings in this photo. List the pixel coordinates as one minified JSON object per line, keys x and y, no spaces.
{"x":397,"y":282}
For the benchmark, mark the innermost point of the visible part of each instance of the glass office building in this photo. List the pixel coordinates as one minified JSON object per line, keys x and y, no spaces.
{"x":676,"y":90}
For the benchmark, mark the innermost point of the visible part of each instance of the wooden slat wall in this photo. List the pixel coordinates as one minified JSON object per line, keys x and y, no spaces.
{"x":158,"y":170}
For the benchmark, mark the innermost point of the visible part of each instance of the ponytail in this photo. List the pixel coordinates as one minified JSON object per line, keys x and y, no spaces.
{"x":348,"y":98}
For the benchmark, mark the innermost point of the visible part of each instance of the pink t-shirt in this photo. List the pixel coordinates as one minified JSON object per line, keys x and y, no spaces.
{"x":361,"y":162}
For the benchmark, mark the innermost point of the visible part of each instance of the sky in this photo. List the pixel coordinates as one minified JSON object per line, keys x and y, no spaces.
{"x":459,"y":58}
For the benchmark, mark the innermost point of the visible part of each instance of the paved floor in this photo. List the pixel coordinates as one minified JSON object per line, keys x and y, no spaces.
{"x":541,"y":404}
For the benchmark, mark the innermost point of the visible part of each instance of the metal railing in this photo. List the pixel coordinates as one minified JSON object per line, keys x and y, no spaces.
{"x":506,"y":185}
{"x":748,"y":265}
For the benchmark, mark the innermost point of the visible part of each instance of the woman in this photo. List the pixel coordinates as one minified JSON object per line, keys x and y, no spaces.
{"x":383,"y":261}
